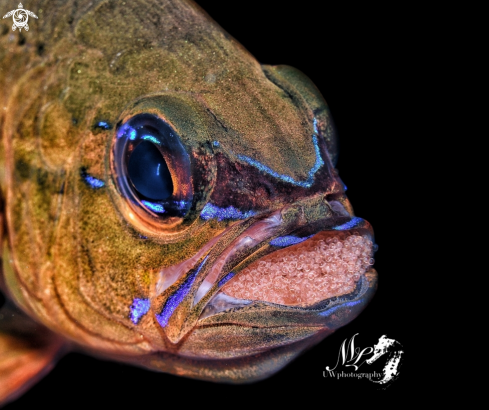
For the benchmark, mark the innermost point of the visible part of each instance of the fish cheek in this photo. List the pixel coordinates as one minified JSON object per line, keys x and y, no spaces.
{"x":101,"y":250}
{"x":113,"y":265}
{"x":65,"y":307}
{"x":116,"y":263}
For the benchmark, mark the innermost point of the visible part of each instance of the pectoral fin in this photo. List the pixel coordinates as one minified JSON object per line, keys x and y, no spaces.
{"x":28,"y":351}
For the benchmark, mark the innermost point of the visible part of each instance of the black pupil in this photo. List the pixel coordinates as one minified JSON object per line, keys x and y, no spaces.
{"x":149,"y":173}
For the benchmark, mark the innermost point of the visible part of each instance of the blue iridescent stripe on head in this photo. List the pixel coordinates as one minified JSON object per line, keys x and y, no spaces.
{"x":92,"y":182}
{"x":225,"y":279}
{"x":283,"y":241}
{"x":176,"y":298}
{"x":335,"y":308}
{"x":103,"y":124}
{"x":352,"y":223}
{"x":211,"y":211}
{"x":286,"y":178}
{"x":139,"y":308}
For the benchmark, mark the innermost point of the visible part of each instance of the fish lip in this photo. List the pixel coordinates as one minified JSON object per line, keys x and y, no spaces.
{"x":180,"y":306}
{"x":298,"y":324}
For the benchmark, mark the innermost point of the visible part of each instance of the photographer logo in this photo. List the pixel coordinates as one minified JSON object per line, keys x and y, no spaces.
{"x":20,"y":16}
{"x":383,"y":360}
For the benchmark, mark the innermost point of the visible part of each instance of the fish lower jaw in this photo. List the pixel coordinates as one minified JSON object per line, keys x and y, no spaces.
{"x":324,"y":266}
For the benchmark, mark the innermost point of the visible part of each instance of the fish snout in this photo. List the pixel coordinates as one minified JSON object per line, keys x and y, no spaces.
{"x":307,"y":263}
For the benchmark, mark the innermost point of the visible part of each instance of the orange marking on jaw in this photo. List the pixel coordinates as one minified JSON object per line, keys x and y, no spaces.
{"x":327,"y":265}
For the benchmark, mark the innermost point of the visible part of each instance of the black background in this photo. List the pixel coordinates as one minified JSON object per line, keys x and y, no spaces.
{"x":360,"y":58}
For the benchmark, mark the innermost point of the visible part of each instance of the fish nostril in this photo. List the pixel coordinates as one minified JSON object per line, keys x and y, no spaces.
{"x":149,"y":173}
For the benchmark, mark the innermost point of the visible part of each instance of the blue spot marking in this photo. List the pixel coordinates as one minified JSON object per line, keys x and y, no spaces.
{"x":155,"y":207}
{"x":305,"y":184}
{"x":335,"y":308}
{"x":104,"y":125}
{"x":211,"y":211}
{"x":287,"y":240}
{"x":225,"y":279}
{"x":176,"y":298}
{"x":350,"y":224}
{"x":154,"y":140}
{"x":132,"y":134}
{"x":139,"y":308}
{"x":216,"y":143}
{"x":92,"y":182}
{"x":315,"y":124}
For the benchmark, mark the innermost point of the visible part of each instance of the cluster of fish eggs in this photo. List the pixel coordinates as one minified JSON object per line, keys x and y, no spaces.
{"x":314,"y":270}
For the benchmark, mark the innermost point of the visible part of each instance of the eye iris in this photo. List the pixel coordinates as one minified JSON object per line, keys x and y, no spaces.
{"x":144,"y":151}
{"x":149,"y":173}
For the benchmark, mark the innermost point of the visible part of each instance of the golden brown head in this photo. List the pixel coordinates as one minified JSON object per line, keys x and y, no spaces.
{"x":176,"y":202}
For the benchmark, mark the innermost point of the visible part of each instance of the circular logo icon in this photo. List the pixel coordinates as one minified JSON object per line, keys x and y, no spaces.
{"x":20,"y":17}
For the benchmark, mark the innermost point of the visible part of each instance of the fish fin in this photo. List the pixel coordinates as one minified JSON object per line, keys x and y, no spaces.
{"x":28,"y":351}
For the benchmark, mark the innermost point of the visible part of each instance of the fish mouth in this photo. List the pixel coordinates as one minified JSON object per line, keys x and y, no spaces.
{"x":233,"y":328}
{"x":306,"y":270}
{"x":286,"y":262}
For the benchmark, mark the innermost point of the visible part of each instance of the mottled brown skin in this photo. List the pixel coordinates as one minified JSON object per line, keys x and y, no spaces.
{"x":74,"y":260}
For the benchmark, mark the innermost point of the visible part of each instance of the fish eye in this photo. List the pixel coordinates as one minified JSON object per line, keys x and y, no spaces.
{"x":151,"y":169}
{"x":148,"y":172}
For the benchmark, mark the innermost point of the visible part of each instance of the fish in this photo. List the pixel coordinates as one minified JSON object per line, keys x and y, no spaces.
{"x":168,"y":201}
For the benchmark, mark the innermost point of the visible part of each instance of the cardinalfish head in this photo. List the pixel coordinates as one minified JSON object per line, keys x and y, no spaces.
{"x":230,"y":242}
{"x":202,"y":227}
